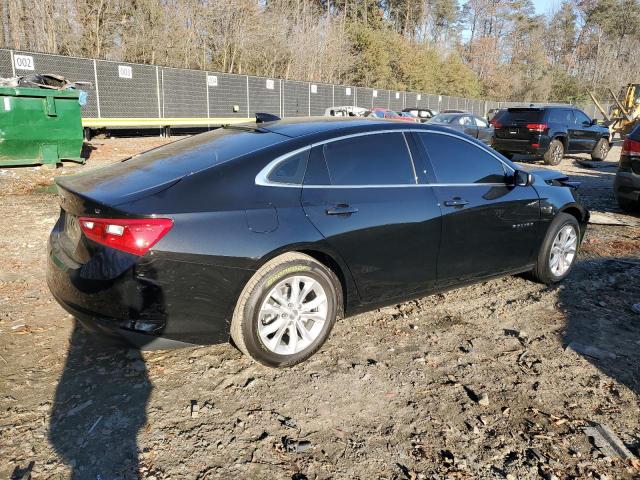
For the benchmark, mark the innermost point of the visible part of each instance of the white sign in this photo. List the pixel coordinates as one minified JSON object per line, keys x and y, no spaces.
{"x":347,"y":91}
{"x":397,"y":94}
{"x":7,"y":104}
{"x":419,"y":97}
{"x":314,"y":88}
{"x":212,"y":80}
{"x":24,"y":62}
{"x":375,"y":93}
{"x":269,"y":84}
{"x":125,"y":71}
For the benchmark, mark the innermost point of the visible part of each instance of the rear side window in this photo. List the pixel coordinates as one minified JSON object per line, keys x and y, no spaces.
{"x":557,"y":115}
{"x":521,"y":115}
{"x":457,"y":161}
{"x":378,"y":159}
{"x":291,"y":170}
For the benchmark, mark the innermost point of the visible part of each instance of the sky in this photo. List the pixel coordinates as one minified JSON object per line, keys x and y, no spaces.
{"x":544,"y":6}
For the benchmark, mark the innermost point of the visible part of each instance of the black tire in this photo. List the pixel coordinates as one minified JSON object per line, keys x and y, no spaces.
{"x":542,"y":271}
{"x":601,"y":150}
{"x":553,"y":156}
{"x":244,"y":325}
{"x":628,"y":205}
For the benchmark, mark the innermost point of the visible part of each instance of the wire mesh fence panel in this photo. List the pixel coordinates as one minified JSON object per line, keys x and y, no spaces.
{"x":295,"y":98}
{"x":321,"y":97}
{"x":343,"y":95}
{"x":127,"y":90}
{"x":411,"y":99}
{"x":73,"y":69}
{"x":185,"y":93}
{"x":264,"y":96}
{"x":5,"y":64}
{"x":364,"y":97}
{"x":396,"y":101}
{"x":227,"y":95}
{"x":381,"y":98}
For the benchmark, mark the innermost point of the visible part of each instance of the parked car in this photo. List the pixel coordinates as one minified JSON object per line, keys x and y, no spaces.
{"x":408,"y":115}
{"x":346,"y":111}
{"x":265,"y":233}
{"x":465,"y":122}
{"x":626,"y":185}
{"x":423,"y":114}
{"x":491,"y":113}
{"x":389,"y":115}
{"x":549,"y":132}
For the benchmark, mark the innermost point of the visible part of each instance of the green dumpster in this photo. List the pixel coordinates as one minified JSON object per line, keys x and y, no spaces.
{"x":39,"y":126}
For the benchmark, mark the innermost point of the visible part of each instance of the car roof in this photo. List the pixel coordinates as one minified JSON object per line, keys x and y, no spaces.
{"x":542,"y":107}
{"x":328,"y":126}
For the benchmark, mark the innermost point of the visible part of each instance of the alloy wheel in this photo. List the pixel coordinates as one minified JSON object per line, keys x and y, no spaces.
{"x":563,"y":250}
{"x":292,"y":315}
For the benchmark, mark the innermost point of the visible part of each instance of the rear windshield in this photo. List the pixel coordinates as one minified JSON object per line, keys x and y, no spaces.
{"x":446,"y":117}
{"x":517,"y":115}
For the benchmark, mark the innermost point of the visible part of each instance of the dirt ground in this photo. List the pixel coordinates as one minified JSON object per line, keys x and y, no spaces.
{"x":495,"y":380}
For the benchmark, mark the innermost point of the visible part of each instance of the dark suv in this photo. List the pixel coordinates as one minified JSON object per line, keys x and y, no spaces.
{"x":626,"y":186}
{"x":549,"y":132}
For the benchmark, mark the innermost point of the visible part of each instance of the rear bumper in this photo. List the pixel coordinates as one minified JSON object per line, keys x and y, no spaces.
{"x":154,"y":301}
{"x":525,"y":146}
{"x":626,"y":185}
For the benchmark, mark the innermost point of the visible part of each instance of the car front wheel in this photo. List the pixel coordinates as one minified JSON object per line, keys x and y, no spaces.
{"x":287,"y":310}
{"x":559,"y":250}
{"x":554,"y":155}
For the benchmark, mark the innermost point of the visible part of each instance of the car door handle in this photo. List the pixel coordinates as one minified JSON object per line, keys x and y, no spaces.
{"x":341,"y":209}
{"x":455,"y":202}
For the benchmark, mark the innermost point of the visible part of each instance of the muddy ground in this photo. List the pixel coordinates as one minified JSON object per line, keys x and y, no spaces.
{"x":479,"y":382}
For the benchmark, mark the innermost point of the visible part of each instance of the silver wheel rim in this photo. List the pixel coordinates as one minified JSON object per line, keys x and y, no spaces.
{"x":292,"y":315}
{"x":557,"y":153}
{"x":563,"y":250}
{"x":604,"y":150}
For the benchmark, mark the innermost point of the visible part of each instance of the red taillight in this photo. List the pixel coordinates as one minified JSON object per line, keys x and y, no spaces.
{"x":630,"y":148}
{"x":495,"y":123}
{"x":537,"y":127}
{"x":134,"y":236}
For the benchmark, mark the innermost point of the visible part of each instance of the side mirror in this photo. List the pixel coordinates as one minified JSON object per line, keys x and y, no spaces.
{"x":522,"y":179}
{"x":594,"y":121}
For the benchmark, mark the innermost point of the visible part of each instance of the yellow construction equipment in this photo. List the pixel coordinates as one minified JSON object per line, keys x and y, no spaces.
{"x":624,"y":114}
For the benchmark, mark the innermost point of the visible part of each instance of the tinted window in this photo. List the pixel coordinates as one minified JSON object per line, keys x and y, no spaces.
{"x":581,"y":117}
{"x":517,"y":115}
{"x":457,"y":161}
{"x":291,"y":170}
{"x":317,"y":172}
{"x":557,"y":116}
{"x":379,"y":159}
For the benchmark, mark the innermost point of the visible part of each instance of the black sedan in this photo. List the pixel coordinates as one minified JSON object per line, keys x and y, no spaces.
{"x":265,"y":233}
{"x":467,"y":123}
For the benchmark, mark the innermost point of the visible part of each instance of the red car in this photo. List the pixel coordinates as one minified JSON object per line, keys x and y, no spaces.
{"x":390,"y":115}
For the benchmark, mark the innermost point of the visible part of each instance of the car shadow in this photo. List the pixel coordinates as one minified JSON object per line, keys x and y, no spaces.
{"x":99,"y":407}
{"x":601,"y":325}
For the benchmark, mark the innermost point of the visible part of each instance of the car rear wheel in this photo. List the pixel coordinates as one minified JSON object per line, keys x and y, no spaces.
{"x":559,"y":250}
{"x":601,"y":150}
{"x":553,"y":156}
{"x":287,"y":310}
{"x":628,"y":205}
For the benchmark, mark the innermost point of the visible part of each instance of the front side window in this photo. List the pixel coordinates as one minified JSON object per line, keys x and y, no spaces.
{"x":581,"y":118}
{"x":480,"y":122}
{"x":459,"y":162}
{"x":465,"y":120}
{"x":377,"y":159}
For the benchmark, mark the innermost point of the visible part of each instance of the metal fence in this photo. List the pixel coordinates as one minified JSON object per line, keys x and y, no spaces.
{"x":129,"y":90}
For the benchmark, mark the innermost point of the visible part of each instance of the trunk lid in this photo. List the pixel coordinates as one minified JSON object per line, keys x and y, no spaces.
{"x":512,"y":123}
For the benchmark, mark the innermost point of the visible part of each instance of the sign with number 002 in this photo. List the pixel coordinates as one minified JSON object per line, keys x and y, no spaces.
{"x":23,"y":62}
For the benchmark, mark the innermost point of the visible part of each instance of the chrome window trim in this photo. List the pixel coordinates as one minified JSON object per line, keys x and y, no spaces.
{"x":262,"y":178}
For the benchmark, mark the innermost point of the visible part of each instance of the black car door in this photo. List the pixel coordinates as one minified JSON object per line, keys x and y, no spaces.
{"x":488,"y":227}
{"x":587,"y":132}
{"x":361,"y":193}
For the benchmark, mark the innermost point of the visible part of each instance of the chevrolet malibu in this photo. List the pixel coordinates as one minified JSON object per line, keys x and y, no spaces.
{"x":266,"y":233}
